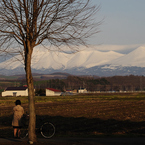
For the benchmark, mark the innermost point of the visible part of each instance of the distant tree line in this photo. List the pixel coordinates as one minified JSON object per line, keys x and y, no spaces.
{"x":115,"y":83}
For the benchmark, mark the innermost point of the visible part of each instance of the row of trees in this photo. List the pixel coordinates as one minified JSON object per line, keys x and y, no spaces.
{"x":115,"y":83}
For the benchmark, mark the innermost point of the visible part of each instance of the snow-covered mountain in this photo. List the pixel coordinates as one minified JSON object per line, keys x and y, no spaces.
{"x":90,"y":61}
{"x":134,"y":58}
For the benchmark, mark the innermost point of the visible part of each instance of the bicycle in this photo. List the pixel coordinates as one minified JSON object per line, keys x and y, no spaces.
{"x":47,"y":130}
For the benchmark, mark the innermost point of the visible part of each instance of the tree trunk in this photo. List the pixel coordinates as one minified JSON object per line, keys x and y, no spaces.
{"x":31,"y":96}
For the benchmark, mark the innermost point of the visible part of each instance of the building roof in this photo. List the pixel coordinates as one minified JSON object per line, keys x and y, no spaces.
{"x":54,"y":90}
{"x":15,"y":88}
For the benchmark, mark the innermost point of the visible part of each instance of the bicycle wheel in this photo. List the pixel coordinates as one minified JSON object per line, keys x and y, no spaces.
{"x":47,"y":130}
{"x":24,"y":133}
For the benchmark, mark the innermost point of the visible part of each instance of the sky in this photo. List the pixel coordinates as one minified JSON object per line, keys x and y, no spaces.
{"x":123,"y":22}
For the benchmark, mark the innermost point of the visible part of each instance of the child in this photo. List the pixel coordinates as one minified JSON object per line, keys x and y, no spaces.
{"x":16,"y":122}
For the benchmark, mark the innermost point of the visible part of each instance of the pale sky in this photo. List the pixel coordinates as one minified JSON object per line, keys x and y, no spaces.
{"x":123,"y":24}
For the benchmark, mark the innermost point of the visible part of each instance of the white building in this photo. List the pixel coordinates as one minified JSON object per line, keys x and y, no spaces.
{"x":82,"y":90}
{"x":15,"y":91}
{"x":52,"y":92}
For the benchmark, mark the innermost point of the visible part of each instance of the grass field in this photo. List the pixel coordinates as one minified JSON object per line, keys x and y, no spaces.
{"x":83,"y":115}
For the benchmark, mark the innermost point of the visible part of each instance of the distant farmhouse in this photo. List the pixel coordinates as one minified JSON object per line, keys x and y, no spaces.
{"x":15,"y":91}
{"x":82,"y":90}
{"x":52,"y":92}
{"x":23,"y":91}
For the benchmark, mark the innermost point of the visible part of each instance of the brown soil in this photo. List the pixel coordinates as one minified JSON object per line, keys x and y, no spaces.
{"x":86,"y":119}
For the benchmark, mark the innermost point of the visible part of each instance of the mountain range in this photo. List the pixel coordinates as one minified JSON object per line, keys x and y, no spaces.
{"x":95,"y":60}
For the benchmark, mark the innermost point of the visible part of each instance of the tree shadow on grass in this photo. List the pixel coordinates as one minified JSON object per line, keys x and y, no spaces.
{"x":84,"y":127}
{"x":80,"y":127}
{"x":6,"y":129}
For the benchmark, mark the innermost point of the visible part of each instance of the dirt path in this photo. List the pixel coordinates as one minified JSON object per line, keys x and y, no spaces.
{"x":77,"y":141}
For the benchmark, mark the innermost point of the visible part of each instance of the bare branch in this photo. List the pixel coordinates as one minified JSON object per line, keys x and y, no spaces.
{"x":56,"y":22}
{"x":25,"y":24}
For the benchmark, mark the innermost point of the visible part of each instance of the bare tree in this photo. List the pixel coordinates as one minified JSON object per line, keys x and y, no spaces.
{"x":25,"y":24}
